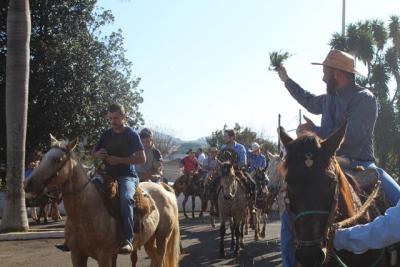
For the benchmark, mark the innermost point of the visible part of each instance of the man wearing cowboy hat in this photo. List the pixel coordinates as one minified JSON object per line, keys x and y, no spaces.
{"x":257,"y":160}
{"x":344,"y":101}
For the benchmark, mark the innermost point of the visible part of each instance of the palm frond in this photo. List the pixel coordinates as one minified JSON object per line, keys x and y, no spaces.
{"x":277,"y":58}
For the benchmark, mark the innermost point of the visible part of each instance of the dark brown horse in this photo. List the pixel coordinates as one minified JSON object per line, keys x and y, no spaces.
{"x":190,"y":185}
{"x":318,"y":196}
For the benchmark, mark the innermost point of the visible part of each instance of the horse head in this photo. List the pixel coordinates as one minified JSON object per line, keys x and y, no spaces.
{"x":261,"y":178}
{"x":312,"y":184}
{"x":54,"y":169}
{"x":228,"y":180}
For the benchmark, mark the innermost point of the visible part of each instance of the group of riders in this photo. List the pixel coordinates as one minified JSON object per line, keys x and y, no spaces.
{"x":131,"y":157}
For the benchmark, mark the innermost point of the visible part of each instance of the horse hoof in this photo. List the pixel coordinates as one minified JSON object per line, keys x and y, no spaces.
{"x":236,"y":253}
{"x":186,"y":217}
{"x":262,"y":235}
{"x":256,"y":238}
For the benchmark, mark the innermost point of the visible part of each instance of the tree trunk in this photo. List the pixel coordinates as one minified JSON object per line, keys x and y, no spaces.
{"x":14,"y":216}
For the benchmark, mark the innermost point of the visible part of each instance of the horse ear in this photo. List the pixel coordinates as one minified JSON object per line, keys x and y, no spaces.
{"x":332,"y":143}
{"x":72,"y":145}
{"x":285,"y":138}
{"x":281,"y":155}
{"x":53,"y":140}
{"x":270,"y":155}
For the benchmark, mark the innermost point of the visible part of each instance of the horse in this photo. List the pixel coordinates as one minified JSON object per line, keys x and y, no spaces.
{"x":260,"y":202}
{"x":275,"y":185}
{"x":318,"y":198}
{"x":190,"y":185}
{"x":47,"y":203}
{"x":211,"y":188}
{"x":232,"y":205}
{"x":90,"y":230}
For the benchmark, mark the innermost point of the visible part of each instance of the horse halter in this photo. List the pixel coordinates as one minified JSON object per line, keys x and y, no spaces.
{"x":56,"y":172}
{"x":323,"y":240}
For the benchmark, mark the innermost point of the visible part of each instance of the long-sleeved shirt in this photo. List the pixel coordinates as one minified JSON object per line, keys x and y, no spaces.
{"x":240,"y":151}
{"x":381,"y":232}
{"x":257,"y":161}
{"x":354,"y":104}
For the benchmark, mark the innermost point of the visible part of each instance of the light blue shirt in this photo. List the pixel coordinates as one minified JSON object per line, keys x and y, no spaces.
{"x":240,"y":151}
{"x":257,"y":161}
{"x":380,"y":233}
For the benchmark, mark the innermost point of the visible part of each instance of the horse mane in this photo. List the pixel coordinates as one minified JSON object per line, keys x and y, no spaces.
{"x":143,"y":204}
{"x":346,"y":200}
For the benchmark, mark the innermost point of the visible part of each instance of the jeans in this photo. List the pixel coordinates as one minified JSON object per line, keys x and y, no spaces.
{"x":389,"y":187}
{"x":127,"y":188}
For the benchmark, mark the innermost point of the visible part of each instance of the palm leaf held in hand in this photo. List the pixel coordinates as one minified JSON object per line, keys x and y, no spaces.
{"x":277,"y":58}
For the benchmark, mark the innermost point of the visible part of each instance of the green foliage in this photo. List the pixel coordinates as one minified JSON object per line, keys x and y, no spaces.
{"x":277,"y":58}
{"x":244,"y":136}
{"x":76,"y":71}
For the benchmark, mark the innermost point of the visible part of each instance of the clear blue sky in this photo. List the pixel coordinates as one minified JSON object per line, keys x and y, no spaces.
{"x":203,"y":63}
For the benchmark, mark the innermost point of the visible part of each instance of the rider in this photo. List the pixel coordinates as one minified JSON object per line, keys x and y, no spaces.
{"x":344,"y":101}
{"x":210,"y":164}
{"x":120,"y":149}
{"x":257,"y":160}
{"x":380,"y":233}
{"x":152,"y":169}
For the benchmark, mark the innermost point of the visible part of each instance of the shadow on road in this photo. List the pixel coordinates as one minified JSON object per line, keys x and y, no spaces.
{"x":202,"y":246}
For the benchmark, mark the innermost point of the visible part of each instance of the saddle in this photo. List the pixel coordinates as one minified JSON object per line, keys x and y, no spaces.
{"x":365,"y":179}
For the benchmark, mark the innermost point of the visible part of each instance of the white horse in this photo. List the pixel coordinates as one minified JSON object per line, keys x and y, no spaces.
{"x":276,"y":183}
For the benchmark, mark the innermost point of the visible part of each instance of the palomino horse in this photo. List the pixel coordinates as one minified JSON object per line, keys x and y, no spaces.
{"x":318,"y":197}
{"x":232,"y":205}
{"x":90,"y":231}
{"x":190,"y":185}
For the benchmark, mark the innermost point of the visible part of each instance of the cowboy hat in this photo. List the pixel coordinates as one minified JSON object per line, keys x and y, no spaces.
{"x":340,"y":60}
{"x":254,"y":147}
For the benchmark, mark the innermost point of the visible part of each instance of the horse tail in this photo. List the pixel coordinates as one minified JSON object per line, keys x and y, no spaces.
{"x":173,"y":247}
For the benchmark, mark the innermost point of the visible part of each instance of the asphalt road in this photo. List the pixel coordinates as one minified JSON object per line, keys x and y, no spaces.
{"x":199,"y":240}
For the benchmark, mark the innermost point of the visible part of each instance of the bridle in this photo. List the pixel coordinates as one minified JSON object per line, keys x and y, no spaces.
{"x":292,"y":218}
{"x":56,"y":173}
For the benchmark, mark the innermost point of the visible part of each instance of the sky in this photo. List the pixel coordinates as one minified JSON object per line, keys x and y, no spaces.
{"x":204,"y":63}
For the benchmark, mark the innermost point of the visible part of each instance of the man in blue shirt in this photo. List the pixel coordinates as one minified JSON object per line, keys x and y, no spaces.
{"x":344,"y":101}
{"x":120,"y":148}
{"x":230,"y":143}
{"x":257,"y":160}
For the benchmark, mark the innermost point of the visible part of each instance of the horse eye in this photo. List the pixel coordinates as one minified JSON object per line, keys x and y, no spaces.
{"x":57,"y":160}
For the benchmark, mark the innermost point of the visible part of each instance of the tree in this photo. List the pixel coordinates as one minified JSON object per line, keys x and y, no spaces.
{"x":244,"y":136}
{"x":164,"y":141}
{"x":14,"y":216}
{"x":76,"y":72}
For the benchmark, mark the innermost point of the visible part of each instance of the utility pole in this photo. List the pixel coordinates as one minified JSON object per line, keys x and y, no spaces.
{"x":279,"y":138}
{"x":299,"y":116}
{"x":343,"y":17}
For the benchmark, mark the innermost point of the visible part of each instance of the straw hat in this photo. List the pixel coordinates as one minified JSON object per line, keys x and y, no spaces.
{"x":254,"y":147}
{"x":340,"y":60}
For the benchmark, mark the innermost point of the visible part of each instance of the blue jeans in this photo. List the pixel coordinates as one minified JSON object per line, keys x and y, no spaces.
{"x":389,"y":187}
{"x":127,"y":188}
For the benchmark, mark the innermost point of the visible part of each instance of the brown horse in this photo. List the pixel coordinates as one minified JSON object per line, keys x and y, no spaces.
{"x":232,"y":207}
{"x":90,"y":230}
{"x":318,"y":196}
{"x":190,"y":185}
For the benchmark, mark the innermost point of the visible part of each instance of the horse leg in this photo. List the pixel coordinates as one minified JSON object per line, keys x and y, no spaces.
{"x":246,"y":222}
{"x":106,"y":260}
{"x":201,"y":209}
{"x":161,"y":251}
{"x":236,"y":224}
{"x":134,"y":258}
{"x":212,"y":215}
{"x":193,"y":205}
{"x":34,"y":214}
{"x":232,"y":225}
{"x":241,"y":233}
{"x":78,"y":259}
{"x":264,"y":215}
{"x":184,"y":206}
{"x":256,"y":225}
{"x":46,"y":213}
{"x":222,"y":236}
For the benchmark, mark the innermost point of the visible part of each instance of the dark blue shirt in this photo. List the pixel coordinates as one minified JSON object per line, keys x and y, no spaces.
{"x":354,"y":104}
{"x":120,"y":145}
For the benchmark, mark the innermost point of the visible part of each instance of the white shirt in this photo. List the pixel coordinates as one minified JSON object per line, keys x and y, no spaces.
{"x":201,"y":158}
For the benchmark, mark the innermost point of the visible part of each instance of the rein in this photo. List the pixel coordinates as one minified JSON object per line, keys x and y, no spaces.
{"x":55,"y":174}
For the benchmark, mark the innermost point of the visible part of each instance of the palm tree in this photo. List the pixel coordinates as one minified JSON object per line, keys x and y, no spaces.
{"x":14,"y":216}
{"x":393,"y":53}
